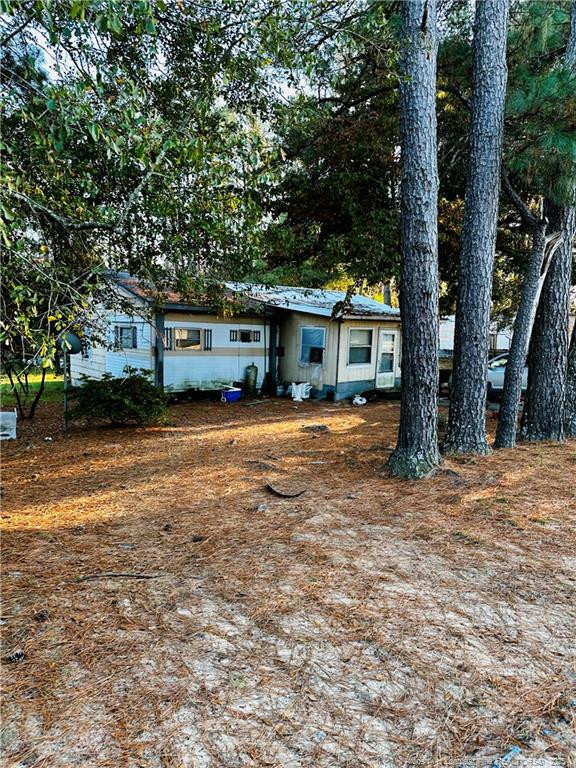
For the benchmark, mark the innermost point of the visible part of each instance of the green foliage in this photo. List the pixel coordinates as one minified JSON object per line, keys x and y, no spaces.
{"x":137,"y":136}
{"x":540,"y":147}
{"x":335,"y":210}
{"x":132,"y":399}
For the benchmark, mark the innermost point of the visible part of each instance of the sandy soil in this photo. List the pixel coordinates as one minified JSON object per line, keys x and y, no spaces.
{"x":368,"y":622}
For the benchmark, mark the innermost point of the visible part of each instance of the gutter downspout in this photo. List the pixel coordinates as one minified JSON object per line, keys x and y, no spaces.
{"x":272,"y":355}
{"x":159,"y":344}
{"x":337,"y":359}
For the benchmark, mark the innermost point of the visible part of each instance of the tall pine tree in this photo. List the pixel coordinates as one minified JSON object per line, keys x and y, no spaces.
{"x":416,"y":452}
{"x":544,"y":413}
{"x":467,"y":424}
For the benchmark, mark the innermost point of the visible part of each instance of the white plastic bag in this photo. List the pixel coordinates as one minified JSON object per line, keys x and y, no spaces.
{"x":300,"y":391}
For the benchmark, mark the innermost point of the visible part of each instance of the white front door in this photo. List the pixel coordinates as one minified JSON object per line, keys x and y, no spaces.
{"x":386,"y":361}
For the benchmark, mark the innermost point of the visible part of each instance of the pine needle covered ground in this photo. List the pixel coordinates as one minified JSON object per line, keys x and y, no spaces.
{"x":367,"y":622}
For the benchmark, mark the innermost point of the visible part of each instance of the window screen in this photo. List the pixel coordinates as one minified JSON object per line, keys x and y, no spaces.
{"x":360,"y":347}
{"x":387,"y":344}
{"x":312,"y":345}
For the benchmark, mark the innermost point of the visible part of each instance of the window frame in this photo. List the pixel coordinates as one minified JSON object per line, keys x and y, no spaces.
{"x":255,"y":336}
{"x":189,"y":348}
{"x":118,"y":328}
{"x":324,"y":330}
{"x":370,"y":346}
{"x":205,"y":339}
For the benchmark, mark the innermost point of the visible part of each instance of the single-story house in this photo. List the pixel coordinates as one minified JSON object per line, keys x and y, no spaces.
{"x":340,"y":346}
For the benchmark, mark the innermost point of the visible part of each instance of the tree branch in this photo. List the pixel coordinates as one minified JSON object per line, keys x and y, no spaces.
{"x":525,"y":213}
{"x":17,"y":31}
{"x":63,"y":221}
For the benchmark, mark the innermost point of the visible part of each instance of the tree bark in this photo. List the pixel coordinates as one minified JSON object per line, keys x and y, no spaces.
{"x":416,"y":453}
{"x":570,"y":404}
{"x":544,"y":411}
{"x":467,"y":419}
{"x":543,"y":417}
{"x":543,"y":249}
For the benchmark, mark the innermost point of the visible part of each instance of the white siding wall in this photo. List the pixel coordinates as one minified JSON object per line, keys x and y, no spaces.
{"x":92,"y":366}
{"x":224,"y":363}
{"x":102,"y":360}
{"x":290,"y":367}
{"x":358,"y":372}
{"x":500,"y":340}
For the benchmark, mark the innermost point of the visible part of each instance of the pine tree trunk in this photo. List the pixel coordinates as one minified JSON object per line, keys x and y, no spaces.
{"x":543,"y":417}
{"x":467,"y":419}
{"x":570,"y":404}
{"x":506,"y":431}
{"x":416,"y":452}
{"x":544,"y":411}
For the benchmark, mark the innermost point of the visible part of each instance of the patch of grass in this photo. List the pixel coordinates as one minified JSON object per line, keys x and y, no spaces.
{"x":53,"y":390}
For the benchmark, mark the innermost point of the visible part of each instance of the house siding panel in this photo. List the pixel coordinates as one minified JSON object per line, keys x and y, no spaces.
{"x":224,"y":363}
{"x":361,"y":374}
{"x":102,"y":359}
{"x":290,"y":367}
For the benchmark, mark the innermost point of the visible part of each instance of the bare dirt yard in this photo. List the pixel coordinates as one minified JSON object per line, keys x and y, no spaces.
{"x":368,"y":622}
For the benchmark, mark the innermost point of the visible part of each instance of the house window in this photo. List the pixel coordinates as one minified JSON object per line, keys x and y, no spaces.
{"x":125,"y":337}
{"x":360,"y":347}
{"x":312,"y":345}
{"x":245,"y":336}
{"x":187,"y":338}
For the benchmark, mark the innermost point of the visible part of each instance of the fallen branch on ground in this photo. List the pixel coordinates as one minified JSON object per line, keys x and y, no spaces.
{"x":113,"y":575}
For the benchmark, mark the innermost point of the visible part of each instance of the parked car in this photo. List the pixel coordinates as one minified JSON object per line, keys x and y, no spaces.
{"x":496,"y":371}
{"x":495,"y":376}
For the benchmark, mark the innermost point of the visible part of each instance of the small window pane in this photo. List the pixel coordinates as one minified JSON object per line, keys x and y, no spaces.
{"x":361,"y":338}
{"x":316,"y":355}
{"x":386,"y":362}
{"x":360,"y":355}
{"x":125,"y":336}
{"x":313,"y":343}
{"x":187,"y":338}
{"x":387,"y":341}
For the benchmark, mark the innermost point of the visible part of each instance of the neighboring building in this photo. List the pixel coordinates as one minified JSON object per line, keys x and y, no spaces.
{"x":499,"y":339}
{"x":291,"y":334}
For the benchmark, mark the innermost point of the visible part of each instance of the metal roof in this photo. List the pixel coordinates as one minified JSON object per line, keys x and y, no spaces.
{"x":315,"y":301}
{"x":312,"y":301}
